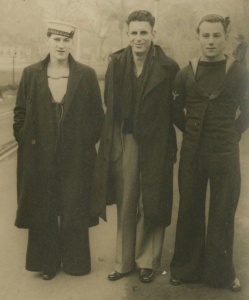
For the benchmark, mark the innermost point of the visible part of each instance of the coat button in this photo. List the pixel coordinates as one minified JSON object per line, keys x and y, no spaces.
{"x":33,"y":142}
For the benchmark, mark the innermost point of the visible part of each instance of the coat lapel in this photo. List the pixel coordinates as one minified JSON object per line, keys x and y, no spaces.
{"x":158,"y":71}
{"x":73,"y":82}
{"x":157,"y":75}
{"x":41,"y":81}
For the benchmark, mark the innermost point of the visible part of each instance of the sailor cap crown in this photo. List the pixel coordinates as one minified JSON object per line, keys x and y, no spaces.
{"x":61,"y":28}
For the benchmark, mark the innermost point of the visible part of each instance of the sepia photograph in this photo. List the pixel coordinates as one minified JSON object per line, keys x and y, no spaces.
{"x":124,"y":149}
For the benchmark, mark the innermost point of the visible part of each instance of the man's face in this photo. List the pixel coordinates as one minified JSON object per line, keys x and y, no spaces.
{"x":212,"y":39}
{"x":59,"y":46}
{"x":140,"y":34}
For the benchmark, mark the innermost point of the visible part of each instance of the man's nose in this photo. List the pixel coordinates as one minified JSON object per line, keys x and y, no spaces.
{"x":61,"y":44}
{"x":138,"y":37}
{"x":211,"y":40}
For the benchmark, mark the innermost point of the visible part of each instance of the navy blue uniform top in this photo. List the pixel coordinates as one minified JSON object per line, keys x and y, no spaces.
{"x":205,"y":107}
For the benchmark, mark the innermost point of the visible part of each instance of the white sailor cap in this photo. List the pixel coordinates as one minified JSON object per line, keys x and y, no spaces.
{"x":61,"y":28}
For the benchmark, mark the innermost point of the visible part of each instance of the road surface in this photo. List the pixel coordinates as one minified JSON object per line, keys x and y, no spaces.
{"x":18,"y":284}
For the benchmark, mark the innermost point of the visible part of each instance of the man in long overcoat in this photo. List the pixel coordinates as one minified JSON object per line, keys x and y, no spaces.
{"x":57,"y":122}
{"x":134,"y":167}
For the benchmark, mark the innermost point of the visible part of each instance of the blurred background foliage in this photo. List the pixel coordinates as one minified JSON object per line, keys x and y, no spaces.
{"x":102,"y":29}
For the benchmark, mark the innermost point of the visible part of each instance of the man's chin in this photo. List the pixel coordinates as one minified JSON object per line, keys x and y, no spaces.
{"x":211,"y":54}
{"x":139,"y":52}
{"x":61,"y":57}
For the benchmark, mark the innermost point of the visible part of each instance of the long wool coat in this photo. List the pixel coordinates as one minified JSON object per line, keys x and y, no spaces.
{"x":40,"y":151}
{"x":157,"y":148}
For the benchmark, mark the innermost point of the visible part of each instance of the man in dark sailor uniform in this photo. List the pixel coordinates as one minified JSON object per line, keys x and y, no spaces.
{"x":207,"y":94}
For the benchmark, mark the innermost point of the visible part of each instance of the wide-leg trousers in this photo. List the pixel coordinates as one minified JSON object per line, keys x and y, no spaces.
{"x":137,"y":245}
{"x":200,"y":253}
{"x":49,"y":248}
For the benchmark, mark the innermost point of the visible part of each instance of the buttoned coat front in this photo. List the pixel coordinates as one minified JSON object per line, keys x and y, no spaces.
{"x":39,"y":151}
{"x":157,"y":145}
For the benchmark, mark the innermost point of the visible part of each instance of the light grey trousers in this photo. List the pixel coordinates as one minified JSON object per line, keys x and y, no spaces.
{"x":137,"y":245}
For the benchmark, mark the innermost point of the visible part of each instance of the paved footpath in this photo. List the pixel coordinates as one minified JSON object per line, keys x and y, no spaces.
{"x":7,"y":102}
{"x":18,"y":284}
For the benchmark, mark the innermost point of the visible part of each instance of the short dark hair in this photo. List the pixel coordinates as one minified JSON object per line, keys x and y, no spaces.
{"x":213,"y":18}
{"x":141,"y":15}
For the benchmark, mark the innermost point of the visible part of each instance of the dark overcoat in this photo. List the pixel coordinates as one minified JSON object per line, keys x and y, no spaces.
{"x":157,"y":147}
{"x":40,"y":152}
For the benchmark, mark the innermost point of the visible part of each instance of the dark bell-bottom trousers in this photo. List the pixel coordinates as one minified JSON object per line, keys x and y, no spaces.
{"x":48,"y":249}
{"x":202,"y":253}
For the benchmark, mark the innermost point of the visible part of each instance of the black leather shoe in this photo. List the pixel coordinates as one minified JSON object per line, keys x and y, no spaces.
{"x":48,"y":275}
{"x":235,"y":285}
{"x":82,"y":273}
{"x":175,"y":281}
{"x":146,"y":275}
{"x":115,"y":276}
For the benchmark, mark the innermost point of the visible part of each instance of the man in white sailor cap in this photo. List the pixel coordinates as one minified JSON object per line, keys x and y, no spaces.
{"x":57,"y":121}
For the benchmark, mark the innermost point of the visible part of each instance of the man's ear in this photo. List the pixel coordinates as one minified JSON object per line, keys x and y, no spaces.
{"x":195,"y":32}
{"x":46,"y":40}
{"x":154,"y":34}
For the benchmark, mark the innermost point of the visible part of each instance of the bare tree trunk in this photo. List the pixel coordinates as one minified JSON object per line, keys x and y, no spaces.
{"x":155,"y":11}
{"x":99,"y":48}
{"x":121,"y":22}
{"x":77,"y":50}
{"x":246,"y":18}
{"x":121,"y":29}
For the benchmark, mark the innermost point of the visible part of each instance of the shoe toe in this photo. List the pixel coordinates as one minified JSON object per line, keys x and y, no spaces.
{"x":175,"y":281}
{"x":235,"y":285}
{"x":115,"y":276}
{"x":48,"y":275}
{"x":146,"y":275}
